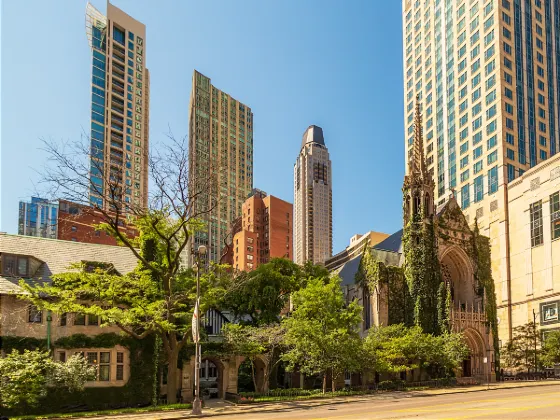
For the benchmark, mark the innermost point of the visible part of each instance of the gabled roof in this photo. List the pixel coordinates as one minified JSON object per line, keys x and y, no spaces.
{"x":57,"y":256}
{"x":392,"y":243}
{"x":347,"y":272}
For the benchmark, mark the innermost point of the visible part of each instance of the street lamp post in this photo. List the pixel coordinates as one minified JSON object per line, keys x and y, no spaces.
{"x":197,"y":403}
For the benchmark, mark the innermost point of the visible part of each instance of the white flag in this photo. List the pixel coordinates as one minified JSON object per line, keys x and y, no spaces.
{"x":195,"y":333}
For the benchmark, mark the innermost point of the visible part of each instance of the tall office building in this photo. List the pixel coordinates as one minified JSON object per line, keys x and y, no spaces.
{"x":38,"y":218}
{"x":120,"y":94}
{"x":487,"y":73}
{"x":220,"y":161}
{"x":488,"y":76}
{"x":266,"y":231}
{"x":312,"y":199}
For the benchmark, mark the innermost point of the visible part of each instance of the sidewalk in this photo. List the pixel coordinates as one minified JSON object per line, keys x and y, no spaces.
{"x":216,"y":408}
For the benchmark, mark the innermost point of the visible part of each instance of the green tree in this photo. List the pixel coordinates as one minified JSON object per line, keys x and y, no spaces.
{"x":550,"y":351}
{"x":157,"y":298}
{"x":264,"y":292}
{"x":24,"y":377}
{"x":322,"y":330}
{"x":521,"y":351}
{"x":397,"y":348}
{"x":256,"y":343}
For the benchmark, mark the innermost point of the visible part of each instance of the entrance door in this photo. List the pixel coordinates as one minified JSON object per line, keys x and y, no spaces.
{"x":209,"y":379}
{"x":467,"y":371}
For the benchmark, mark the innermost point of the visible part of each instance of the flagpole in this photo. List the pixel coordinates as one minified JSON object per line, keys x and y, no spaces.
{"x":197,"y":403}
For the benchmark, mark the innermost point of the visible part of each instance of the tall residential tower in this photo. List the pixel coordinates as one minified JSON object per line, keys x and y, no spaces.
{"x":487,"y":74}
{"x":221,"y":156}
{"x":312,"y":199}
{"x":120,"y":91}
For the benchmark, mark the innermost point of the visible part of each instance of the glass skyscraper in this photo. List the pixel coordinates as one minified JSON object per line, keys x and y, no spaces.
{"x":119,"y":108}
{"x":38,"y":218}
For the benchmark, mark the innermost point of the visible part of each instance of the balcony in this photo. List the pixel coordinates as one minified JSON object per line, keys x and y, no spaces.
{"x":119,"y":66}
{"x":116,"y":126}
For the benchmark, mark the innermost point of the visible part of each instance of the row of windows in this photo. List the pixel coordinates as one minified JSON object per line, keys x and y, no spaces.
{"x":478,"y":184}
{"x":536,"y":219}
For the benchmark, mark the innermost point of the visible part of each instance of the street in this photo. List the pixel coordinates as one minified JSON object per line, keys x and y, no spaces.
{"x":521,"y":403}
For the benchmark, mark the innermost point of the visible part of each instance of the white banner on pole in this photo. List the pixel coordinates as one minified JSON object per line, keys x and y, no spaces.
{"x":195,"y":332}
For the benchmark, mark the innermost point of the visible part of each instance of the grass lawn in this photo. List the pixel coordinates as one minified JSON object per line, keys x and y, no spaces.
{"x":105,"y":412}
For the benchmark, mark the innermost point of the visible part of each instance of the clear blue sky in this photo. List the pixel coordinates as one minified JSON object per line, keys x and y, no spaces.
{"x":336,"y":64}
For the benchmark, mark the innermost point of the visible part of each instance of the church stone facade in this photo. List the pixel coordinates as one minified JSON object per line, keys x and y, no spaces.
{"x":435,"y":272}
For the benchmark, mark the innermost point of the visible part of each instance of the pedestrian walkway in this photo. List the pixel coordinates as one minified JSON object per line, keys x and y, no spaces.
{"x":215,"y":408}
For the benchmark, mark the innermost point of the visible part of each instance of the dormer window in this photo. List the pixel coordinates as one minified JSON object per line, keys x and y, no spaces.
{"x":14,"y":265}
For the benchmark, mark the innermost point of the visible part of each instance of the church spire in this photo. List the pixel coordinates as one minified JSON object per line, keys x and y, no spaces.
{"x":417,"y":162}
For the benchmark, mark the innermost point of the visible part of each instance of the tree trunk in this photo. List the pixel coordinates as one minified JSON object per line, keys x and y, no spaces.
{"x":266,"y":381}
{"x":324,"y":382}
{"x":172,"y":360}
{"x":254,"y":376}
{"x":333,"y":383}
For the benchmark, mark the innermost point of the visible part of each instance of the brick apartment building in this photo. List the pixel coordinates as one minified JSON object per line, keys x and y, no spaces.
{"x":266,"y":231}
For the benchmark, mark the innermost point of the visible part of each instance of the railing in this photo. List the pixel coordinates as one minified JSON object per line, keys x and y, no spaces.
{"x":299,"y":393}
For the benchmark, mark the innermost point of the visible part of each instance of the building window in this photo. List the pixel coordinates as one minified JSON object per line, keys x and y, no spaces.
{"x":14,"y":266}
{"x":555,"y":215}
{"x":102,"y":363}
{"x":120,"y":366}
{"x":79,"y":319}
{"x":478,"y":188}
{"x":63,"y":319}
{"x":536,"y":223}
{"x":35,"y":315}
{"x":465,"y":199}
{"x":493,"y":180}
{"x":118,"y":35}
{"x":62,"y":356}
{"x":549,"y":312}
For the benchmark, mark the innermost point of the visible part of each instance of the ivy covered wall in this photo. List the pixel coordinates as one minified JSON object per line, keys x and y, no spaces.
{"x":136,"y":392}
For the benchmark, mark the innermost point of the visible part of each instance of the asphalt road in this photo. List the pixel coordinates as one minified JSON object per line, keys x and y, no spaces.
{"x":521,"y":403}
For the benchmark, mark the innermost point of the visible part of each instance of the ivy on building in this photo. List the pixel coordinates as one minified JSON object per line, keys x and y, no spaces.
{"x":422,"y":271}
{"x":137,"y":391}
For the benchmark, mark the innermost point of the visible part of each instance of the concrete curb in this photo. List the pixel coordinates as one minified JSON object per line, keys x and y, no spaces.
{"x":266,"y":407}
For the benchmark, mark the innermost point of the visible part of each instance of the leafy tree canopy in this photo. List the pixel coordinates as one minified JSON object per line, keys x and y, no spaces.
{"x":322,"y":332}
{"x":263,"y":293}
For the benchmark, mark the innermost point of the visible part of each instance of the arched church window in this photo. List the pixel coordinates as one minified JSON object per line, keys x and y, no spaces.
{"x":427,"y":208}
{"x":416,"y":204}
{"x":407,"y":205}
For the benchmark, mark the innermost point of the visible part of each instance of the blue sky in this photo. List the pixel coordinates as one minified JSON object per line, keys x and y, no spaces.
{"x":333,"y":63}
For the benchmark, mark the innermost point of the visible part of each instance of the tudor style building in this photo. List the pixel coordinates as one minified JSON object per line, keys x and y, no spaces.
{"x":36,"y":260}
{"x":436,"y":258}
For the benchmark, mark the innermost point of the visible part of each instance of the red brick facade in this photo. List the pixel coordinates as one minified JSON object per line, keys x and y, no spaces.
{"x":266,"y":232}
{"x":77,"y":223}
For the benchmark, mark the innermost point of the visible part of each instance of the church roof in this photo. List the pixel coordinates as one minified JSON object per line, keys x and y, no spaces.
{"x":392,"y":243}
{"x":386,"y":251}
{"x":348,"y":271}
{"x":313,"y":134}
